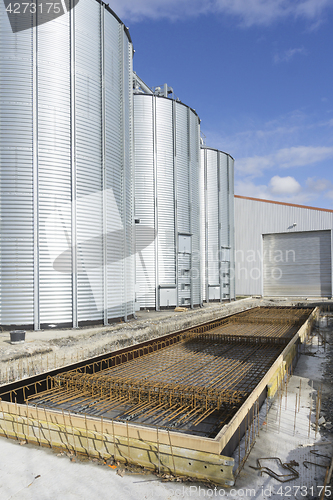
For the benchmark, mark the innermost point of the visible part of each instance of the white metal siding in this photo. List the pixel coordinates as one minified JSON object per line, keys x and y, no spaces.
{"x":165,"y":191}
{"x":182,"y":169}
{"x":217,"y":224}
{"x":166,"y":145}
{"x":203,"y":200}
{"x":213,"y":219}
{"x":232,"y":226}
{"x":195,"y":192}
{"x":113,"y":167}
{"x":54,"y":176}
{"x":66,"y":189}
{"x":88,"y":162}
{"x":128,"y":175}
{"x":255,"y":218}
{"x":16,"y":175}
{"x":297,"y":262}
{"x":144,"y":200}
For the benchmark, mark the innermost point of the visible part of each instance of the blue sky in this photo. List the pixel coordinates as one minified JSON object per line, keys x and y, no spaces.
{"x":259,"y":74}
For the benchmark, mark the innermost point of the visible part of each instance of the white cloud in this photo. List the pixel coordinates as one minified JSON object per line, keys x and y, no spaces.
{"x":289,"y":54}
{"x":318,"y":185}
{"x":284,"y":185}
{"x":254,"y":165}
{"x":297,"y":156}
{"x":258,"y":139}
{"x":284,"y":189}
{"x":300,"y":156}
{"x":248,"y":12}
{"x":311,"y":8}
{"x":248,"y":188}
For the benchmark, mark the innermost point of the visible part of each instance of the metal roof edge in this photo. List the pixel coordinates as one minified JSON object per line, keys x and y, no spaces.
{"x":108,"y":8}
{"x":283,"y":203}
{"x":218,"y":150}
{"x":170,"y":99}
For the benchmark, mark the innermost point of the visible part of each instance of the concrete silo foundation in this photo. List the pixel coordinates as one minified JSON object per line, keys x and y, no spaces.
{"x":180,"y":403}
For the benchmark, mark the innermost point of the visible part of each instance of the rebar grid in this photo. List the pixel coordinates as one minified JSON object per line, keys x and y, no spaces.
{"x":293,"y":317}
{"x":181,"y":385}
{"x":274,"y":315}
{"x":281,"y":332}
{"x":193,"y":380}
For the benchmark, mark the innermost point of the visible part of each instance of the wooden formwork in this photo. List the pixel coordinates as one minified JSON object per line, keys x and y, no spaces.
{"x":153,"y":449}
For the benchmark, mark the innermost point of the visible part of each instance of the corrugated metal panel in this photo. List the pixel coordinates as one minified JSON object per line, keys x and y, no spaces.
{"x":255,"y":218}
{"x":297,"y":263}
{"x":16,"y":180}
{"x":113,"y":167}
{"x":128,"y":177}
{"x":166,"y":170}
{"x":218,"y":224}
{"x":203,"y":200}
{"x":224,"y":201}
{"x":54,"y":176}
{"x":58,"y":84}
{"x":165,"y":191}
{"x":232,"y":227}
{"x":212,"y":218}
{"x":144,"y":199}
{"x":88,"y":161}
{"x":195,"y":191}
{"x":182,"y":169}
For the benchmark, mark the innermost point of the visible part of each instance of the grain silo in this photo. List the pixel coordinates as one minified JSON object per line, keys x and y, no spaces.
{"x":66,"y":169}
{"x":167,"y":163}
{"x":217,"y":224}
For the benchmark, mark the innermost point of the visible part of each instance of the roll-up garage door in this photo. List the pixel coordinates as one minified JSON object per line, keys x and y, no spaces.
{"x":297,"y":264}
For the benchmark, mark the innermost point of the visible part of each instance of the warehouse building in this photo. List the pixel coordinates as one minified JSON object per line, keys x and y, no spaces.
{"x":282,"y":249}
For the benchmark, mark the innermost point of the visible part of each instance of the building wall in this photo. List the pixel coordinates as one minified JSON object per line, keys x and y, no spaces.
{"x":66,"y":188}
{"x":253,"y":219}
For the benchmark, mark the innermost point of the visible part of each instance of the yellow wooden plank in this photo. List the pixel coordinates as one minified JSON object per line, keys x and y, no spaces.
{"x":165,"y":458}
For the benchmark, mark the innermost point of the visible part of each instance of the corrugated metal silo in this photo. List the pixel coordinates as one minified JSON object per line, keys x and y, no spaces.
{"x":66,"y":169}
{"x":217,"y":223}
{"x":167,"y":163}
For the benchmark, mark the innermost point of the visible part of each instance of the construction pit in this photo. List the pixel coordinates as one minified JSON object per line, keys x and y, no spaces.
{"x":178,"y":404}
